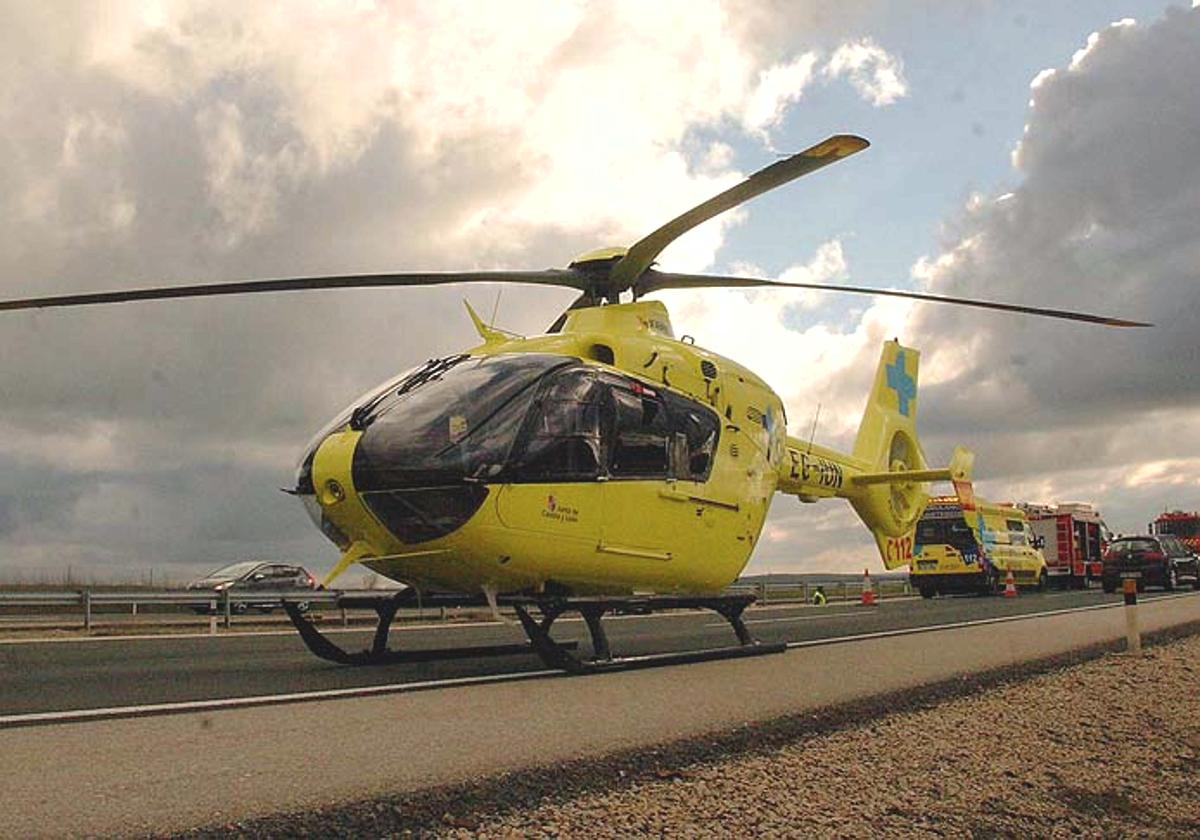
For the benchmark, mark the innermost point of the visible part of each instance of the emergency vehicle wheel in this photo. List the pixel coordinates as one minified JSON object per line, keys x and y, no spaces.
{"x":1042,"y":579}
{"x":929,"y":591}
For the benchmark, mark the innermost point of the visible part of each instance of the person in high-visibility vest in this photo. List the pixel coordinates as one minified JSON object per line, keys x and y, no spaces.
{"x":818,"y":597}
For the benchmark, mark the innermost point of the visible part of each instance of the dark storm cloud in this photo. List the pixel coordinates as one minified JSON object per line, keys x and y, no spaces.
{"x":1105,"y":219}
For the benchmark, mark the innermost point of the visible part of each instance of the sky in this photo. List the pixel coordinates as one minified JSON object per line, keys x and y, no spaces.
{"x":1042,"y":153}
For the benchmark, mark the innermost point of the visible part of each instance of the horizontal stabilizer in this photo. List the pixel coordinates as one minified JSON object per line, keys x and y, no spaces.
{"x":959,"y":470}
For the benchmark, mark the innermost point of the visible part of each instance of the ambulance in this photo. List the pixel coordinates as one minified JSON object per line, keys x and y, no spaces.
{"x":973,"y":551}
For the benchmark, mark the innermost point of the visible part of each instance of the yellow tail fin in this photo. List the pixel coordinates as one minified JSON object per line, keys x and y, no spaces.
{"x":886,"y":477}
{"x":892,"y":496}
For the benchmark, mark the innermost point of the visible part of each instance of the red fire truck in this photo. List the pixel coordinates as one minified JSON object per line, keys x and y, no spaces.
{"x":1073,"y":541}
{"x":1186,"y":526}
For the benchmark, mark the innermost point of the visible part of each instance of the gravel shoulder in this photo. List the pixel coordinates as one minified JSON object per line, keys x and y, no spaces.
{"x":1093,"y":744}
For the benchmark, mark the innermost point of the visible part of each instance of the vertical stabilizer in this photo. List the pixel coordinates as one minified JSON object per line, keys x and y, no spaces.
{"x":885,"y":479}
{"x":891,"y":499}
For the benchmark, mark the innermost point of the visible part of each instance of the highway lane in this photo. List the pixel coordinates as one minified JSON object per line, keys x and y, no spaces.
{"x":99,"y":673}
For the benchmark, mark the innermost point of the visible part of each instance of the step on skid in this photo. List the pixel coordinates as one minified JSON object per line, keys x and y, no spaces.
{"x":536,"y":616}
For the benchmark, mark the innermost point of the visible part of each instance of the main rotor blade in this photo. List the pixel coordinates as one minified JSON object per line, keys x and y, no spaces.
{"x":639,"y":257}
{"x":549,"y":277}
{"x":655,"y":280}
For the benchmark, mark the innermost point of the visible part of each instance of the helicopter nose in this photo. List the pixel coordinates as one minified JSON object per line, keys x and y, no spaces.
{"x":352,"y":482}
{"x":324,"y":485}
{"x":304,"y":477}
{"x":415,"y":499}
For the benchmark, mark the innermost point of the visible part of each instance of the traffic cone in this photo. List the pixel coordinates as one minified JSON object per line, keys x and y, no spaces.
{"x":1010,"y":585}
{"x":868,"y":594}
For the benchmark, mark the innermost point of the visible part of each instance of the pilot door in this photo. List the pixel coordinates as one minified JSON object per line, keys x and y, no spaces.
{"x":608,"y":479}
{"x":660,"y":523}
{"x":552,"y":484}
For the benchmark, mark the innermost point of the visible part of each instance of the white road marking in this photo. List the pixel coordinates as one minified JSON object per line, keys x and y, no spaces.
{"x":77,"y":715}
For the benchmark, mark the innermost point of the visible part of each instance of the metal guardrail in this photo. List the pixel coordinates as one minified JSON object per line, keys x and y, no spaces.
{"x":223,"y":606}
{"x":218,"y":604}
{"x":835,"y":590}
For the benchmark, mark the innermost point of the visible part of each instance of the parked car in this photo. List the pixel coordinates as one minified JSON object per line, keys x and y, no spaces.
{"x":1160,"y":560}
{"x":255,"y":577}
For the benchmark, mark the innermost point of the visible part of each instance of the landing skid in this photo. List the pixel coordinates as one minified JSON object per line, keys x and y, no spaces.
{"x":536,"y":617}
{"x":379,"y":653}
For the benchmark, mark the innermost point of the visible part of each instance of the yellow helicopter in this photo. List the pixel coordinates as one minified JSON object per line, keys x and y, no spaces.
{"x":605,"y":465}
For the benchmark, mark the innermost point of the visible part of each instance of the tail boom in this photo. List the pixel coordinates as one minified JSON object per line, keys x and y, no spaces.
{"x":886,"y":477}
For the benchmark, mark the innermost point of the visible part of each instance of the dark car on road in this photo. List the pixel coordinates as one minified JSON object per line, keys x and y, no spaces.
{"x":1156,"y":561}
{"x":254,"y":577}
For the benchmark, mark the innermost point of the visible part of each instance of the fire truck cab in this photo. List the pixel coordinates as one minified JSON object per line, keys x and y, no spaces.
{"x":1073,"y":538}
{"x":1177,"y":523}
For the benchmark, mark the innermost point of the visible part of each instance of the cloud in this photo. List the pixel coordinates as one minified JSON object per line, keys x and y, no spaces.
{"x":778,"y":87}
{"x":877,"y":75}
{"x":1103,"y":219}
{"x":177,"y":142}
{"x":174,"y":142}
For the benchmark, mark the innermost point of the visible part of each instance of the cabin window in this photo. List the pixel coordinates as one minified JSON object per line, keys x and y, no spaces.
{"x":694,"y":438}
{"x":642,"y":433}
{"x":562,"y":439}
{"x":587,"y":423}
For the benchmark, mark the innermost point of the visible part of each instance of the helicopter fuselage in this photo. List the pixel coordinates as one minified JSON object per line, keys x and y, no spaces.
{"x":608,"y":457}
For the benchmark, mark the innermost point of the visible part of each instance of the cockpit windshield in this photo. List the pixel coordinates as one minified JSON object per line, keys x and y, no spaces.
{"x":459,"y":423}
{"x":530,"y":418}
{"x":433,"y":440}
{"x":304,"y":467}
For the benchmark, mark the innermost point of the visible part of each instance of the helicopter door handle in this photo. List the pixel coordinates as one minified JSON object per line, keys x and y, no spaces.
{"x":692,"y":498}
{"x":629,"y":551}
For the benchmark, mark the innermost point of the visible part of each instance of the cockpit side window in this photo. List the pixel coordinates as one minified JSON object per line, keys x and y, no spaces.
{"x":1016,"y":531}
{"x":586,"y":423}
{"x":563,"y":436}
{"x":694,"y":431}
{"x":643,"y":429}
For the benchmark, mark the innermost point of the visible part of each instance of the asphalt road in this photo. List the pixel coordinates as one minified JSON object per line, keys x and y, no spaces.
{"x":101,"y":673}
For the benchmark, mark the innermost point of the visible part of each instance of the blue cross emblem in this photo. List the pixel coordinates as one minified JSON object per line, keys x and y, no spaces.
{"x":900,"y":382}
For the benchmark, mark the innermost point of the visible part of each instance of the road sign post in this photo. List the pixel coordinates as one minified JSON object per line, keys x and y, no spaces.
{"x":1133,"y":636}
